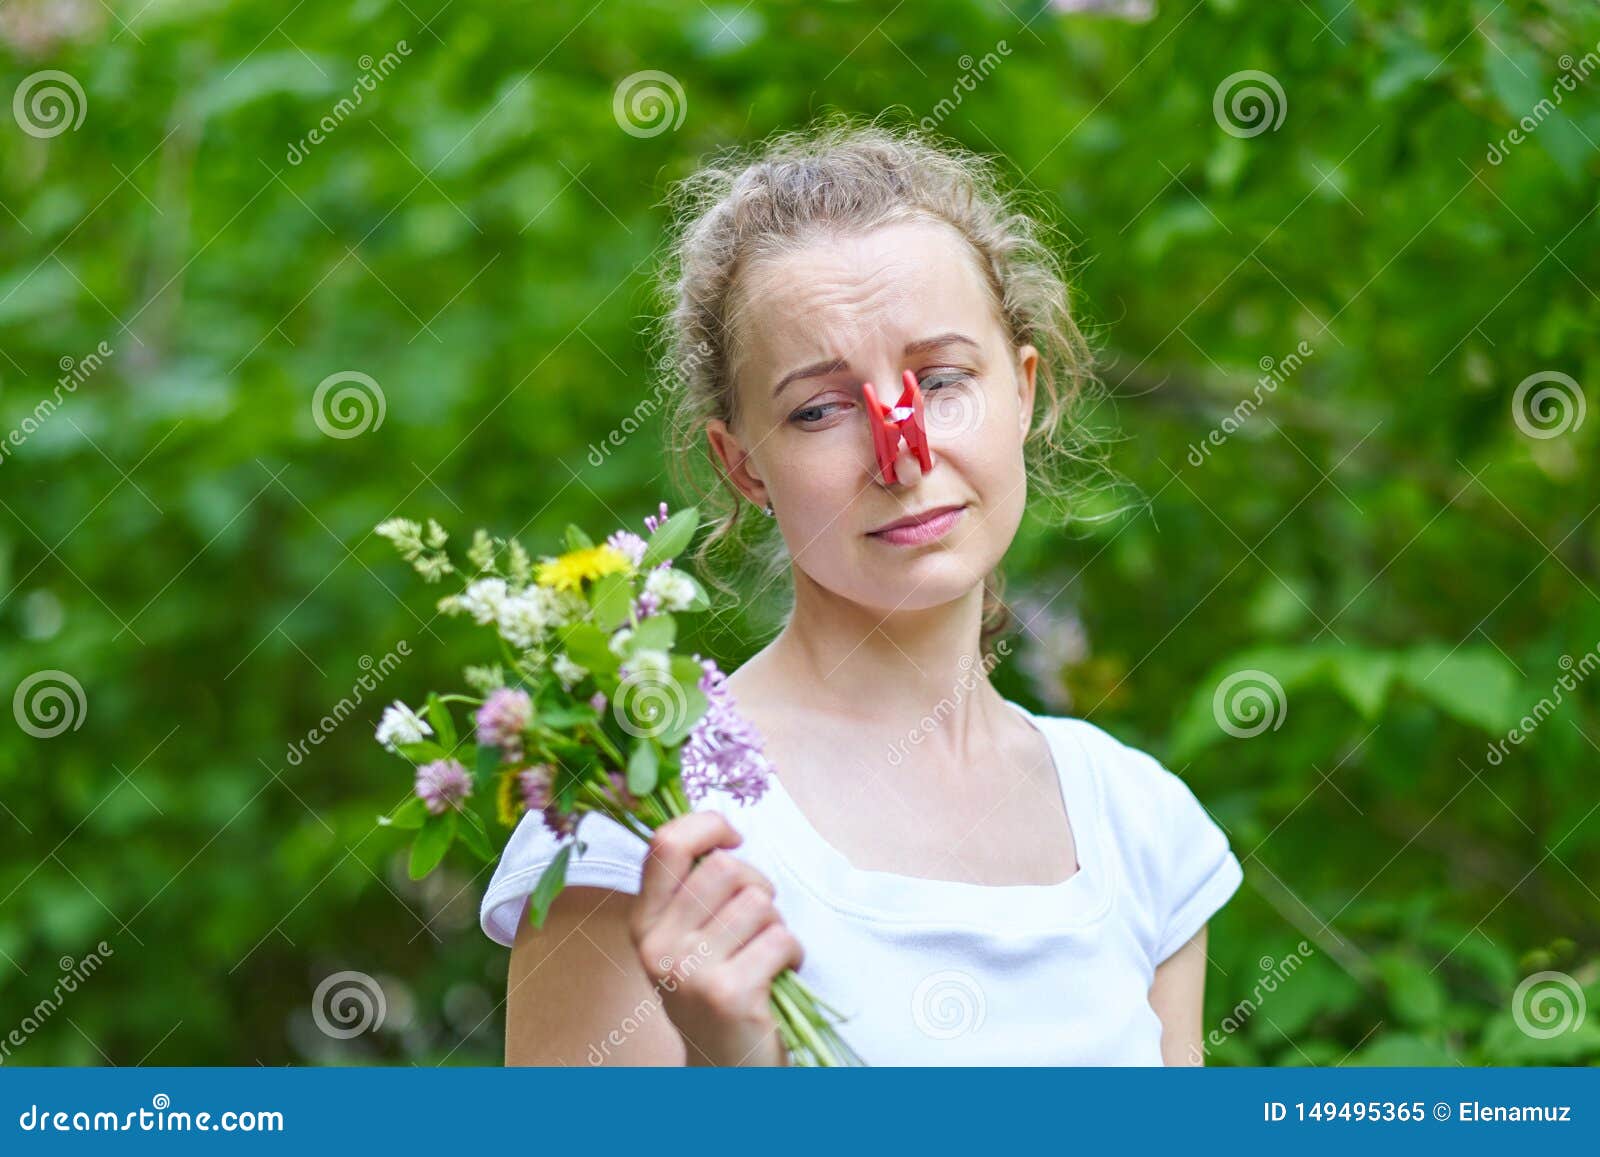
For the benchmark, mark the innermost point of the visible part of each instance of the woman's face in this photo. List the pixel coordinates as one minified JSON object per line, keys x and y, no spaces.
{"x":817,"y":323}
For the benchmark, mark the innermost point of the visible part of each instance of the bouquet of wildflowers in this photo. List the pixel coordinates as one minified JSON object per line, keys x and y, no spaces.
{"x":585,"y":707}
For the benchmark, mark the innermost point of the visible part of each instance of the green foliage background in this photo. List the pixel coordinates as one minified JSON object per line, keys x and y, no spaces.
{"x":477,"y":236}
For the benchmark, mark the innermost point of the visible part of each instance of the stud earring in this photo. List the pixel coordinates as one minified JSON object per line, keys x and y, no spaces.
{"x":769,"y":512}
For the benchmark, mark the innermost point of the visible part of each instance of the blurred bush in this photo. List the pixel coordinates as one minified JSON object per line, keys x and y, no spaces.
{"x":1384,"y":560}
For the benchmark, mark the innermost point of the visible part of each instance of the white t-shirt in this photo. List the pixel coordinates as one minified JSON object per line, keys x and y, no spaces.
{"x":935,"y":972}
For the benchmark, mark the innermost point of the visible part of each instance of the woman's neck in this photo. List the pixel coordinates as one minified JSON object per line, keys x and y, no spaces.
{"x":893,"y":671}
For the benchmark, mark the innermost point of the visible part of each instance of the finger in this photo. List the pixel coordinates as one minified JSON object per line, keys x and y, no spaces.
{"x":736,"y":923}
{"x":673,"y":850}
{"x":768,"y":953}
{"x":711,"y":884}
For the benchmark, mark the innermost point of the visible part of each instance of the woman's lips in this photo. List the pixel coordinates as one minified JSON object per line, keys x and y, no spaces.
{"x":919,"y":533}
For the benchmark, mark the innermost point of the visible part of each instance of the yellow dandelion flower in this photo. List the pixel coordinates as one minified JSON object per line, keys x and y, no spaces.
{"x":569,"y":571}
{"x":508,"y":800}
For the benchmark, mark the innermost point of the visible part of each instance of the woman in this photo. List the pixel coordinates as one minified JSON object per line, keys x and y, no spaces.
{"x":969,"y":882}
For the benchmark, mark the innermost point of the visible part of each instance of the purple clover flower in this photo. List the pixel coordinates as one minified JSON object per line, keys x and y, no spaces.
{"x":724,"y":750}
{"x":537,"y":786}
{"x":442,"y":784}
{"x":502,"y":719}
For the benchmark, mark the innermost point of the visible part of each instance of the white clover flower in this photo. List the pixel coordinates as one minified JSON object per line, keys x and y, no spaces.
{"x":399,"y":725}
{"x":673,"y":588}
{"x":619,"y":641}
{"x":526,"y":616}
{"x":567,"y":671}
{"x":484,"y":600}
{"x":650,"y":666}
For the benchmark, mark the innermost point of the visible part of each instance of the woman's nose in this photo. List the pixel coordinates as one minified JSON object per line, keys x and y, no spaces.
{"x":907,"y":469}
{"x":898,"y":432}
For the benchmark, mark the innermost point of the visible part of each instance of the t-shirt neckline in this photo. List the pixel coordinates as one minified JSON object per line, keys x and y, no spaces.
{"x":891,"y":897}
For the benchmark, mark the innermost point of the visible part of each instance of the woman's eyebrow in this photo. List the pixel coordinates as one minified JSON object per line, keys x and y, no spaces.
{"x":834,"y":365}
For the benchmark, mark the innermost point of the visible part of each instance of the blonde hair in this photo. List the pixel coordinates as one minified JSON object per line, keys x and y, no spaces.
{"x":841,"y":176}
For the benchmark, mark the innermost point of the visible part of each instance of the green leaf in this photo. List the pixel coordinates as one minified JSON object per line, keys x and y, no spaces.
{"x":1474,"y":684}
{"x":472,"y":833}
{"x":695,"y":707}
{"x":488,"y":761}
{"x":686,"y":670}
{"x":408,"y":816}
{"x":586,"y":645}
{"x":1363,"y":677}
{"x":611,"y":598}
{"x":444,"y":726}
{"x":432,"y":842}
{"x":657,"y":633}
{"x":421,"y":752}
{"x":1402,"y":1050}
{"x":1415,"y":994}
{"x":643,"y":768}
{"x":576,"y":539}
{"x":568,"y":716}
{"x":670,"y":538}
{"x":544,"y":893}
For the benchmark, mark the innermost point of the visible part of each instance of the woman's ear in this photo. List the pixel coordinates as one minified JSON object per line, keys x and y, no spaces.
{"x":1027,"y":372}
{"x":736,"y":463}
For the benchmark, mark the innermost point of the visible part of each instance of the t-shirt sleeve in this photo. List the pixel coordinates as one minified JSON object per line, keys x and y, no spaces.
{"x":1201,"y":871}
{"x":1178,"y":867}
{"x":612,"y":857}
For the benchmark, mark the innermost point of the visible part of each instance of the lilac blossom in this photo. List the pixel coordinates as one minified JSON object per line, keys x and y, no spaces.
{"x":724,"y":750}
{"x":629,"y":544}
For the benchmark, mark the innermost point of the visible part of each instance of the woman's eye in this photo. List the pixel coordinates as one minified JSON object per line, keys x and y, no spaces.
{"x":812,"y":414}
{"x":944,"y":378}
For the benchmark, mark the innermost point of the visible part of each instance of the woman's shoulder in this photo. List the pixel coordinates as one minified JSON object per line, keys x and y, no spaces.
{"x":1175,"y":855}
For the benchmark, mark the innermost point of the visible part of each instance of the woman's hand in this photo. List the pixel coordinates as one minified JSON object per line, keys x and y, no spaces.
{"x":710,"y":938}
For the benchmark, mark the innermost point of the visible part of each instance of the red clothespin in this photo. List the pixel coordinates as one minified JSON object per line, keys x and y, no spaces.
{"x":904,"y":421}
